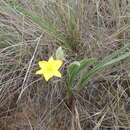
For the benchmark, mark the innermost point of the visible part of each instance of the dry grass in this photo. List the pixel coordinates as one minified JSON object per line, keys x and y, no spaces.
{"x":84,"y":28}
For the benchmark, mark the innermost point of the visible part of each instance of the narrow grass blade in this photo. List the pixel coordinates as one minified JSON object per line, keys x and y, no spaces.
{"x":48,"y":26}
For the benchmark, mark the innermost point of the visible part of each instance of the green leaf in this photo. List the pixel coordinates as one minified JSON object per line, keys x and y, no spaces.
{"x":109,"y":60}
{"x":85,"y":64}
{"x":114,"y":54}
{"x":73,"y":67}
{"x":117,"y":59}
{"x":77,"y":67}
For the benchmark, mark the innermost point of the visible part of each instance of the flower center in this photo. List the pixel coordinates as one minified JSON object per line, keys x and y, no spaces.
{"x":50,"y":68}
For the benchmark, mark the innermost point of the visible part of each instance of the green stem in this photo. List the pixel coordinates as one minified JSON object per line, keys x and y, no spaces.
{"x":69,"y":97}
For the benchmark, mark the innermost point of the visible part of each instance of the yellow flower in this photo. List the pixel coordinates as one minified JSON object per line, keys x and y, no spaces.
{"x":50,"y":68}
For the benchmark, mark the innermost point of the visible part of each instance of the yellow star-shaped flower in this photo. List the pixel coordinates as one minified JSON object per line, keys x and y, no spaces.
{"x":50,"y":68}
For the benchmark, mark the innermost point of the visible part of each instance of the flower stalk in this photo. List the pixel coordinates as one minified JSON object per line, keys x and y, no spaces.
{"x":69,"y":97}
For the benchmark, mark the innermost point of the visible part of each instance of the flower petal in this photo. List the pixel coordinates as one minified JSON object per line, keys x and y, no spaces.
{"x":39,"y":72}
{"x":51,"y":59}
{"x":57,"y":74}
{"x":47,"y":75}
{"x":57,"y":64}
{"x":42,"y":64}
